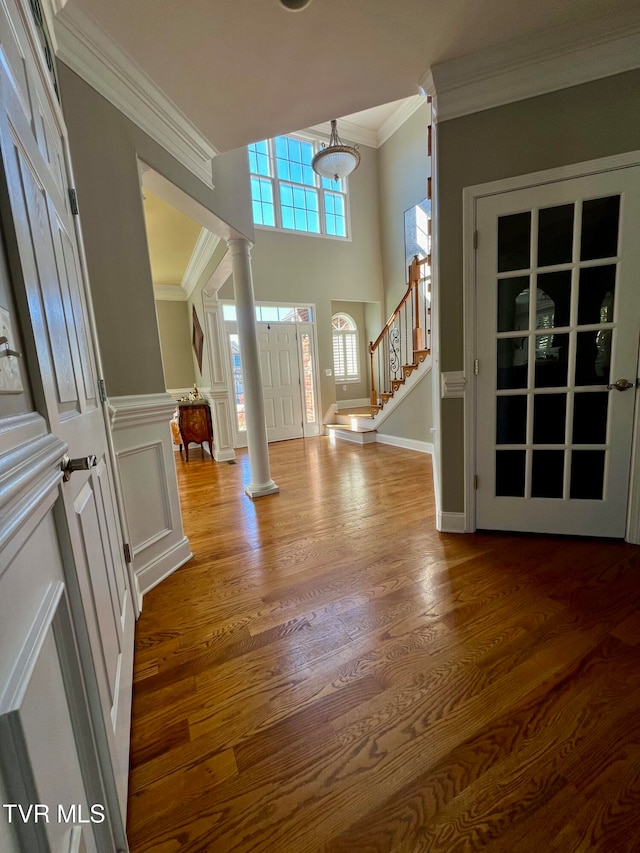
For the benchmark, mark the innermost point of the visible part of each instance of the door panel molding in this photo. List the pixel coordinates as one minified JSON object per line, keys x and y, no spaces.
{"x":471,"y":197}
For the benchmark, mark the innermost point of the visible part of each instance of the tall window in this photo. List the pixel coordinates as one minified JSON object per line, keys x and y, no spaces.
{"x":286,"y":193}
{"x":345,"y":349}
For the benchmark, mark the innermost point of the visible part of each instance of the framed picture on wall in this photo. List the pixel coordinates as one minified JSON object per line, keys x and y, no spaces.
{"x":197,"y":337}
{"x":416,"y":231}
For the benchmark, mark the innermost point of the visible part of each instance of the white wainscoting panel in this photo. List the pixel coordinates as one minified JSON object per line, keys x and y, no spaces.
{"x":144,"y":449}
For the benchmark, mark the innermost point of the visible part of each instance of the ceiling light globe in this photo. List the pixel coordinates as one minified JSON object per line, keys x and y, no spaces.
{"x":336,"y":162}
{"x":294,"y":5}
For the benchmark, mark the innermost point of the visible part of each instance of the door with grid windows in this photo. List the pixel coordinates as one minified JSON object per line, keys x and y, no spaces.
{"x":558,"y":319}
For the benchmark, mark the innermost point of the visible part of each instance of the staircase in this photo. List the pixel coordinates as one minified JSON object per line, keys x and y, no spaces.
{"x":399,"y":358}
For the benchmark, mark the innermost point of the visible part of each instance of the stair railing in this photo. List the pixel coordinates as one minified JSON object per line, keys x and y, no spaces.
{"x":405,"y":339}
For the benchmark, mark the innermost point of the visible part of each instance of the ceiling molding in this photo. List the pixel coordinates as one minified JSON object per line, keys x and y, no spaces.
{"x":349,"y":132}
{"x":219,"y":277}
{"x":545,"y":62}
{"x":88,"y":50}
{"x":353,"y":132}
{"x":169,"y":293}
{"x":202,"y":253}
{"x":398,"y":117}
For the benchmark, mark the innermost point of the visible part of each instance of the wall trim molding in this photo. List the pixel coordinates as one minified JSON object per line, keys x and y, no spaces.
{"x":169,"y":293}
{"x":203,"y":250}
{"x":157,"y":570}
{"x":140,"y":409}
{"x":544,"y":62}
{"x":453,"y":384}
{"x":406,"y":443}
{"x":451,"y":522}
{"x":353,"y":132}
{"x":87,"y":49}
{"x":397,"y":118}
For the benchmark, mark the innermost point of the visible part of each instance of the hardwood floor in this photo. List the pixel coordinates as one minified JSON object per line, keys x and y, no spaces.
{"x":329,"y":673}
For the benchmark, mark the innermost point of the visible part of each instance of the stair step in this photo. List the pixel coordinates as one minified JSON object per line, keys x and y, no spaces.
{"x":420,"y":355}
{"x":386,"y":397}
{"x":357,"y":435}
{"x":396,"y":384}
{"x":407,"y":369}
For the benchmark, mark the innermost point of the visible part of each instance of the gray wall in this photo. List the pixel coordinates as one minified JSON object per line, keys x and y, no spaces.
{"x":581,"y":123}
{"x":174,"y":326}
{"x":298,"y":268}
{"x":355,"y":390}
{"x":404,"y":169}
{"x":104,"y":147}
{"x":413,"y":418}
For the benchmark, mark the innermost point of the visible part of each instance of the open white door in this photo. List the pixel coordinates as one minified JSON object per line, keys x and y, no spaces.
{"x":558,"y":321}
{"x":83,"y":536}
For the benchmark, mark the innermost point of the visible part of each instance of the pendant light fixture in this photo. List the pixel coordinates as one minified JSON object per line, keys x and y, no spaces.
{"x":336,"y":160}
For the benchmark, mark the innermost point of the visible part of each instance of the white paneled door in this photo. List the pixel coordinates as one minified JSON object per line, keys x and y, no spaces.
{"x":558,"y":322}
{"x":85,"y":537}
{"x":279,"y":362}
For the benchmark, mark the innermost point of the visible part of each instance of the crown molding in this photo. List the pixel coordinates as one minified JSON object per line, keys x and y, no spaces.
{"x":398,"y":117}
{"x":349,"y":132}
{"x":206,"y":245}
{"x":545,"y":62}
{"x":87,"y":49}
{"x":169,"y":293}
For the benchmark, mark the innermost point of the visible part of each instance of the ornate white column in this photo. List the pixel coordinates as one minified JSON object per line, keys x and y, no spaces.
{"x":261,"y":482}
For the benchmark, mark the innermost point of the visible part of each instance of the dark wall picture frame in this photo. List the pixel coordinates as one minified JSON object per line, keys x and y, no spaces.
{"x":197,"y":337}
{"x":416,"y":235}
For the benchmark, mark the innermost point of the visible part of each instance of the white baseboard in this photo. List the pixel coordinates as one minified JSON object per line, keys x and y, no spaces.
{"x":407,"y":443}
{"x":162,"y":566}
{"x":451,"y":522}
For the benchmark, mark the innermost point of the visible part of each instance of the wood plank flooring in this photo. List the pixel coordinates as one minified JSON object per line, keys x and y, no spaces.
{"x":331,"y":674}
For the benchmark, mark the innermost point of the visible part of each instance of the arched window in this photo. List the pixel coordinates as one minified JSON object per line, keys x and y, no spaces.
{"x":345,"y":348}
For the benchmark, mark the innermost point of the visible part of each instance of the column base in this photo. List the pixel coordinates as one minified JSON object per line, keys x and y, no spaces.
{"x":223,"y":455}
{"x":269,"y":488}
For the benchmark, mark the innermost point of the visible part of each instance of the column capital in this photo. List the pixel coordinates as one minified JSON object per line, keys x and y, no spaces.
{"x":240,"y":246}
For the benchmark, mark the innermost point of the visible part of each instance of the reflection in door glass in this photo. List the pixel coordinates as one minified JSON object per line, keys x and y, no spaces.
{"x":238,"y":388}
{"x":553,"y":299}
{"x":597,"y":287}
{"x":513,"y":304}
{"x":593,"y":357}
{"x":552,"y":361}
{"x":513,"y":358}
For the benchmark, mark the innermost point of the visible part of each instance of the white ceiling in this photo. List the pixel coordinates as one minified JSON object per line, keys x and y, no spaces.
{"x":242,"y":70}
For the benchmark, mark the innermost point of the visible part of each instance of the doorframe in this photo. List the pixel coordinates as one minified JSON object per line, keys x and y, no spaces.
{"x":470,"y":197}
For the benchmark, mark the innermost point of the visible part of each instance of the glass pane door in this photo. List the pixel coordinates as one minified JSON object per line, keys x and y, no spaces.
{"x":557,"y":326}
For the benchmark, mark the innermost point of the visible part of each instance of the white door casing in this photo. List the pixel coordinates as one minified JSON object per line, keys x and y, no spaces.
{"x":553,"y":443}
{"x":55,"y":315}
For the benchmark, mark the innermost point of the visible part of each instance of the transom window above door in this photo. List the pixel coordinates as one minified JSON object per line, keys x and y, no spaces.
{"x":287,"y":194}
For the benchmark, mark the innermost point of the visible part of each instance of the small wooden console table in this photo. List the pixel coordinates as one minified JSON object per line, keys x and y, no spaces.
{"x":194,"y":423}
